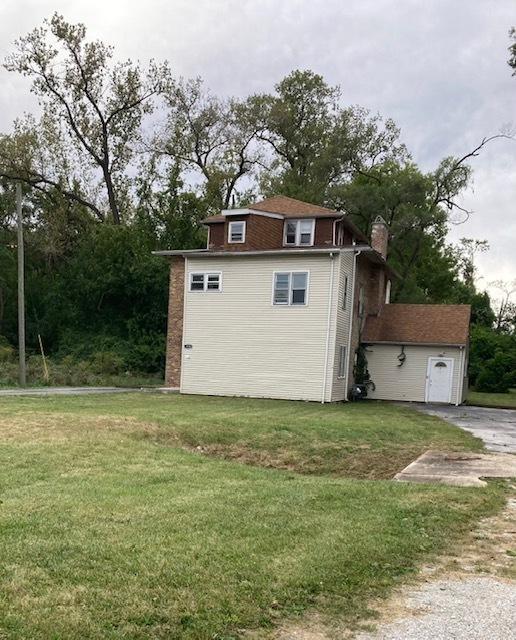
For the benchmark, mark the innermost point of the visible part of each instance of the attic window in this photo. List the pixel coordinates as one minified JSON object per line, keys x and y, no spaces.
{"x":299,"y":232}
{"x":236,"y":231}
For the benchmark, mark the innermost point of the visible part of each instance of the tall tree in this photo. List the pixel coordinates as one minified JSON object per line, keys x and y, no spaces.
{"x":314,"y":142}
{"x":214,"y":139}
{"x":96,"y":105}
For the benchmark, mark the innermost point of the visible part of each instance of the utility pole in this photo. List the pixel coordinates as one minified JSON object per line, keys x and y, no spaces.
{"x":21,"y":288}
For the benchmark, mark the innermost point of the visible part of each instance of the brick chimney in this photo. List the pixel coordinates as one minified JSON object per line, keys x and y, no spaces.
{"x":380,"y":236}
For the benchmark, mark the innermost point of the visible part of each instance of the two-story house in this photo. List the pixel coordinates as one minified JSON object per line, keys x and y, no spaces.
{"x":281,"y":298}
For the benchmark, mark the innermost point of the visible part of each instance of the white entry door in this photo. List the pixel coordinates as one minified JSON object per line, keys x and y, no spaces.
{"x":439,"y":379}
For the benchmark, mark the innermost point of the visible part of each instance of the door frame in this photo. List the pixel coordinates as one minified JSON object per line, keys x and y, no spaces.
{"x":431,"y":359}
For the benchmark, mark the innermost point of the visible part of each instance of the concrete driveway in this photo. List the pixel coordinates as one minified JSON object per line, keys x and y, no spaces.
{"x":496,"y":427}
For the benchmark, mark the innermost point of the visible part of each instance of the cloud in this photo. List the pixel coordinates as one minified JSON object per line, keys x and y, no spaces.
{"x":437,"y":68}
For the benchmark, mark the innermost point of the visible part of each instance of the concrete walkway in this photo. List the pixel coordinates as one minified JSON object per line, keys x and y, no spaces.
{"x":496,"y":427}
{"x":458,"y":469}
{"x":62,"y":391}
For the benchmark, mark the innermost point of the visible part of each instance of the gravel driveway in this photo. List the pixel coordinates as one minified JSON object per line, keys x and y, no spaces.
{"x":468,"y":609}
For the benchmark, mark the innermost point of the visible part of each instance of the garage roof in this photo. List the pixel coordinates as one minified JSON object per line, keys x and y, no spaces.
{"x":419,"y":324}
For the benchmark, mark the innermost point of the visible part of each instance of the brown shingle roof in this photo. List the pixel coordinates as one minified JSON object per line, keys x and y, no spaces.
{"x":419,"y":323}
{"x":291,"y":208}
{"x":287,"y":207}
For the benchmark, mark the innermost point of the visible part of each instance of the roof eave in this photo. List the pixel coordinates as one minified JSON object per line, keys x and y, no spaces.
{"x":415,"y":344}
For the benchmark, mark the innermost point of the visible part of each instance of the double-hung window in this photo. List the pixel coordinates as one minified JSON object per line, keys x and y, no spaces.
{"x":206,"y":281}
{"x":236,"y":231}
{"x":290,"y":288}
{"x":299,"y":232}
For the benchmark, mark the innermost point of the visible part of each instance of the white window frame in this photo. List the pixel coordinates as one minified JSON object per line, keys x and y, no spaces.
{"x":290,"y":274}
{"x":205,"y":275}
{"x":297,"y":242}
{"x":230,"y":231}
{"x":341,"y":373}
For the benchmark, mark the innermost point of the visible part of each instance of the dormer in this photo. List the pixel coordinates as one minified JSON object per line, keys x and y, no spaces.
{"x":280,"y":223}
{"x":299,"y":232}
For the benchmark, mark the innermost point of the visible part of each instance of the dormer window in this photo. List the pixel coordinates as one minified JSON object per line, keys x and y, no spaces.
{"x":299,"y":232}
{"x":236,"y":231}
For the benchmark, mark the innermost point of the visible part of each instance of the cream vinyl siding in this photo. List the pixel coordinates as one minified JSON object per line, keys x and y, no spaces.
{"x":243,"y":345}
{"x":408,"y":382}
{"x":345,"y":268}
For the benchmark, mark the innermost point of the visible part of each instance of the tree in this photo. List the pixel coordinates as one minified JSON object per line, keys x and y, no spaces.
{"x":314,"y":142}
{"x":89,"y":104}
{"x":512,"y":50}
{"x":505,"y":321}
{"x":466,"y":251}
{"x":215,"y":138}
{"x":408,"y":201}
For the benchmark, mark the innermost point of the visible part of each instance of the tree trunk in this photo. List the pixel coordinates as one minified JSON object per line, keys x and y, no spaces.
{"x":113,"y":204}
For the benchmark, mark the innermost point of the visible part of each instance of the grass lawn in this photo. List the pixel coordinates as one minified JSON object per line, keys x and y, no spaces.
{"x":114,"y":525}
{"x":504,"y":400}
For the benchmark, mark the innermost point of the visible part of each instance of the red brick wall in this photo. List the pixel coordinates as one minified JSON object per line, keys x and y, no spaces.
{"x":264,"y":233}
{"x":175,"y":322}
{"x":324,"y":232}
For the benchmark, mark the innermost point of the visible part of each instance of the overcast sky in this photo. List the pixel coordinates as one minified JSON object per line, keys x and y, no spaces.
{"x":437,"y":67}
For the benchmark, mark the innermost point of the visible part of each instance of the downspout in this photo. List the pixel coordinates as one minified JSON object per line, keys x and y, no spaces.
{"x":328,"y":327}
{"x":461,"y":377}
{"x":334,"y":229}
{"x":351,"y":313}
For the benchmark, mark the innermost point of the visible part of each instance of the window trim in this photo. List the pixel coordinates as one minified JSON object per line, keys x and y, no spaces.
{"x":230,"y":227}
{"x":290,"y":274}
{"x":341,"y":371}
{"x":205,"y":275}
{"x":297,"y":242}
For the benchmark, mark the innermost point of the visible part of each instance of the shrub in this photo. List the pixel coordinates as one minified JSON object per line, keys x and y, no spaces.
{"x":106,"y":362}
{"x":7,"y":353}
{"x":498,"y":374}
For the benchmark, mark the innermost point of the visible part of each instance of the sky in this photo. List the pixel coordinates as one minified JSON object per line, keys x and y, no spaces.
{"x":438,"y":68}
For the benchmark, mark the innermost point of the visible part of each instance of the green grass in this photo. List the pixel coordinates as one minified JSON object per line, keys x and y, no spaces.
{"x":360,"y":440}
{"x":504,"y":400}
{"x":110,"y":528}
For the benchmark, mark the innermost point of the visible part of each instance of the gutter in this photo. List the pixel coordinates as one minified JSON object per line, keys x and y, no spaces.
{"x":205,"y":253}
{"x":351,"y":310}
{"x":328,"y":327}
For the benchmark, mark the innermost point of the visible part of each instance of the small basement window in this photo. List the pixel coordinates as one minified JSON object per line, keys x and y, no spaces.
{"x":290,"y":288}
{"x":205,"y":281}
{"x":299,"y":232}
{"x":236,"y":231}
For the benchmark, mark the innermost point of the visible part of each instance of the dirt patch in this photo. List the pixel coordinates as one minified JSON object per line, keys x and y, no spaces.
{"x":39,"y":428}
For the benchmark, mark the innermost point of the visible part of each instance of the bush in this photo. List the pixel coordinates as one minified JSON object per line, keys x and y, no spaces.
{"x":7,"y":353}
{"x":106,"y":362}
{"x":498,"y":374}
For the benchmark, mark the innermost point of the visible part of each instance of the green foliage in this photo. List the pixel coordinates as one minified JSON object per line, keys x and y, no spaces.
{"x":492,"y":366}
{"x":498,"y":374}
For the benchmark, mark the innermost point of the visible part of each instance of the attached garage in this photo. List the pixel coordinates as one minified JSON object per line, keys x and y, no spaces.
{"x":418,"y":353}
